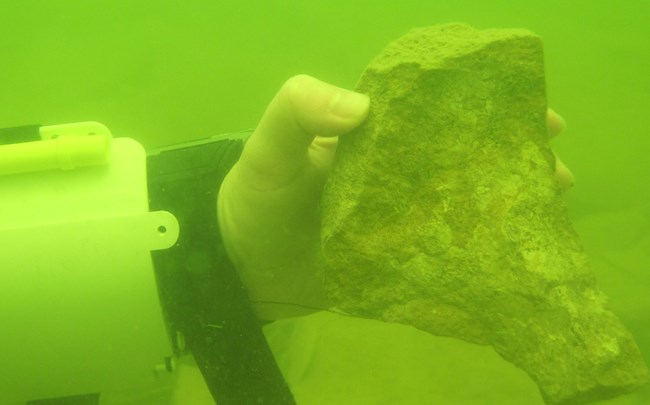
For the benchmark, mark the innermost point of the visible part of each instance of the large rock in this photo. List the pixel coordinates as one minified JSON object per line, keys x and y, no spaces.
{"x":443,"y":212}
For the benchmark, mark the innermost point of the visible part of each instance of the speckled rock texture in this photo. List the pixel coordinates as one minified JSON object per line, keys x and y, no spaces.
{"x":443,"y":212}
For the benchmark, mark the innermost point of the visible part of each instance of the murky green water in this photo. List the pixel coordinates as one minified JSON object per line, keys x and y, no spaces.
{"x":171,"y":71}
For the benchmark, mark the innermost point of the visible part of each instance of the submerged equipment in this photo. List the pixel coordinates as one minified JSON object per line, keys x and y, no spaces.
{"x":87,"y":317}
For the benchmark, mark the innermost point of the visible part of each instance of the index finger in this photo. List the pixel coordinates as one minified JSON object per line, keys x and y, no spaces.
{"x":554,"y":122}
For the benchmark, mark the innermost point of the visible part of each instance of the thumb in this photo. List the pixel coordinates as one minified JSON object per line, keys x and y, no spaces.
{"x":303,"y":108}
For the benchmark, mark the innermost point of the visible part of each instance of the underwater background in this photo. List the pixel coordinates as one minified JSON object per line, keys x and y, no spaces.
{"x":169,"y":71}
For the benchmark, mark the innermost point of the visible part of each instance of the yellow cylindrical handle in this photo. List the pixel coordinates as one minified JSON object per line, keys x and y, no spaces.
{"x":64,"y":152}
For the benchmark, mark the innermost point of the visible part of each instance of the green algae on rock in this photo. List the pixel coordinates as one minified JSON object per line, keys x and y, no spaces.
{"x":443,"y":212}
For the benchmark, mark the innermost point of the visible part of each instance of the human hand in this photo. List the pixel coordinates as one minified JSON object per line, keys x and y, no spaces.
{"x":268,"y":203}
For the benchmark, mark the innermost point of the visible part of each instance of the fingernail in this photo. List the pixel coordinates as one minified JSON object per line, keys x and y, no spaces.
{"x":349,"y":104}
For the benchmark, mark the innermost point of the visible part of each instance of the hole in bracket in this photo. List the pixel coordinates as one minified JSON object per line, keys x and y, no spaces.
{"x":162,"y":229}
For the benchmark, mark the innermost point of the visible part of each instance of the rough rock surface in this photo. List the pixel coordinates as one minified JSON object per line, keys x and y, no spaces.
{"x":443,"y":212}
